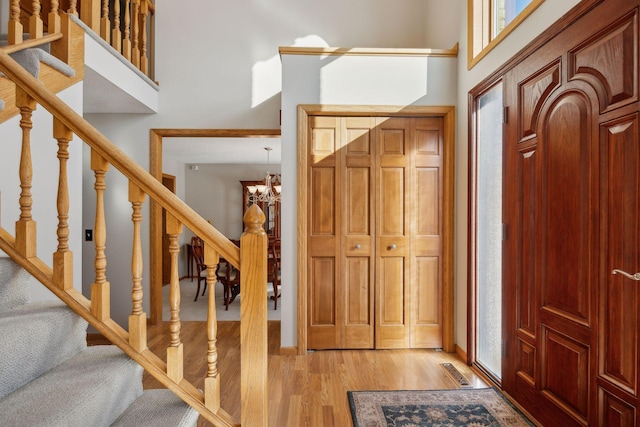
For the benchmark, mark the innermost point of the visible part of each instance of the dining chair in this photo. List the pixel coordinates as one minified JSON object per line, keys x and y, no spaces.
{"x":197,"y":253}
{"x":274,"y":274}
{"x":229,"y":277}
{"x":226,"y":274}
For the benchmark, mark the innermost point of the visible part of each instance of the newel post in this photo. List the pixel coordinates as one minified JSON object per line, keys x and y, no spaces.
{"x":253,"y":319}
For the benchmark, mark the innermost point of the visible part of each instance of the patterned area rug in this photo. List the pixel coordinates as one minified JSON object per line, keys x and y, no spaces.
{"x":437,"y":408}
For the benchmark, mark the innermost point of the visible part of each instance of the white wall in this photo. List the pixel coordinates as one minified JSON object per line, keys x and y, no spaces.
{"x":356,"y":80}
{"x":44,"y":186}
{"x":218,"y":66}
{"x":215,"y":192}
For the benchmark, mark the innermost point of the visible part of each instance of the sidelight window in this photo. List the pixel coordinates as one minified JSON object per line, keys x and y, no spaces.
{"x":486,"y":232}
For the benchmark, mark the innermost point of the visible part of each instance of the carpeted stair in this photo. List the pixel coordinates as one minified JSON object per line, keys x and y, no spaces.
{"x":31,"y":59}
{"x":49,"y":377}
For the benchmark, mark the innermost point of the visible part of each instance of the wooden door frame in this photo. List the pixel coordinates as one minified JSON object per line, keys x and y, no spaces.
{"x":155,"y":211}
{"x":168,"y":181}
{"x":447,"y":113}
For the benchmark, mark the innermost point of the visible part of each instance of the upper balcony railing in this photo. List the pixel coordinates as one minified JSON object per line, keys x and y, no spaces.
{"x":127,"y":25}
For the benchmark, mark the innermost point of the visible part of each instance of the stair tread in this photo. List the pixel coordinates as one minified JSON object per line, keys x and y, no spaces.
{"x":92,"y":388}
{"x":37,"y":337}
{"x":14,"y":284}
{"x":158,"y":408}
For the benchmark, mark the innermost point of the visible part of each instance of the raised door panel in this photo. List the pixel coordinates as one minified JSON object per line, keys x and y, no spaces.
{"x":565,"y":198}
{"x":392,"y":242}
{"x":357,"y":286}
{"x":609,"y":62}
{"x":620,"y":295}
{"x":556,"y":269}
{"x":323,"y":324}
{"x":426,"y":192}
{"x":565,"y":267}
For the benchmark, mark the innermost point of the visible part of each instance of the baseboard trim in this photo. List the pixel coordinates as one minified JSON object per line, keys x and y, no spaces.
{"x":461,"y":354}
{"x":288,"y":351}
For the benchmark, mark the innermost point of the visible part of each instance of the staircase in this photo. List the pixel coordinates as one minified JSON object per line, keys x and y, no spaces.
{"x":49,"y":377}
{"x":48,"y":374}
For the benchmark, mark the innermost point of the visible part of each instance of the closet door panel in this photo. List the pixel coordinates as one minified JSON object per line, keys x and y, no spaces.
{"x":426,"y":236}
{"x":392,"y":244}
{"x":392,"y":320}
{"x":426,"y":302}
{"x":323,"y":324}
{"x":358,"y":319}
{"x":357,"y":298}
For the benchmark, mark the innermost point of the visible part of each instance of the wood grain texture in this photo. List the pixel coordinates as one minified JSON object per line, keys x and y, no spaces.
{"x":311,"y":116}
{"x":309,"y":389}
{"x":377,"y":193}
{"x":572,"y":216}
{"x":253,"y":316}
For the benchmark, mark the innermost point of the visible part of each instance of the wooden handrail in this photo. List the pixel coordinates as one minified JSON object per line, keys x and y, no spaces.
{"x":252,"y":261}
{"x":119,"y":159}
{"x":11,"y":48}
{"x":110,"y":330}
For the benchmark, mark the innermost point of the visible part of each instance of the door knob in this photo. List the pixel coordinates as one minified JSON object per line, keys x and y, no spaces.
{"x":358,"y":246}
{"x":627,"y":275}
{"x":393,"y":246}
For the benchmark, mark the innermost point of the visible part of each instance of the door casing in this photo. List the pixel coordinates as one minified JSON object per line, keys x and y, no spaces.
{"x":447,"y":113}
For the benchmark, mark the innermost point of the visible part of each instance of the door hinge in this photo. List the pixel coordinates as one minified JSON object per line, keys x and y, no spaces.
{"x":505,"y":115}
{"x":504,"y":231}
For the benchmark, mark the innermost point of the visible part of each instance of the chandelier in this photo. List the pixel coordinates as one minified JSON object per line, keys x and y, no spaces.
{"x":269,"y":192}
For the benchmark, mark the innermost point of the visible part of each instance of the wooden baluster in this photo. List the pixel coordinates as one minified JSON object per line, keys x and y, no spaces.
{"x":135,"y":48}
{"x":25,"y":226}
{"x":35,"y":22}
{"x":53,"y":20}
{"x":174,"y":351}
{"x":116,"y":34}
{"x":126,"y":41}
{"x":15,"y":27}
{"x":144,"y":61}
{"x":253,"y":320}
{"x":63,"y":257}
{"x":73,"y":7}
{"x":212,"y":380}
{"x":138,"y":318}
{"x":100,"y":289}
{"x":105,"y":24}
{"x":90,"y":14}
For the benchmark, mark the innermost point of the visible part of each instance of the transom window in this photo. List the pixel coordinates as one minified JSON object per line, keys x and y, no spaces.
{"x":490,"y":21}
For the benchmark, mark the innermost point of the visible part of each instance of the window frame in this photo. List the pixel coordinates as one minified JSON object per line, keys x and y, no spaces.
{"x":472,"y":229}
{"x":479,"y":28}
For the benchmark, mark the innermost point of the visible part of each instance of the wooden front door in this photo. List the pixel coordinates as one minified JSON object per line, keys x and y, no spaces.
{"x":375,"y":187}
{"x":572,"y":180}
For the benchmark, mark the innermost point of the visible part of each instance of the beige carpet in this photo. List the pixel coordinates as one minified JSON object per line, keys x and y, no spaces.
{"x":197,"y":310}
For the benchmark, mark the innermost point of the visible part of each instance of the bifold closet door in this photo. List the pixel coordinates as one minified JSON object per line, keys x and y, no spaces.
{"x":375,"y":190}
{"x":408,"y":236}
{"x":340,"y":277}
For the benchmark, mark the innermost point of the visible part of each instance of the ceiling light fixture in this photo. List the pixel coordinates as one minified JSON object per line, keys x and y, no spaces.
{"x":269,"y":192}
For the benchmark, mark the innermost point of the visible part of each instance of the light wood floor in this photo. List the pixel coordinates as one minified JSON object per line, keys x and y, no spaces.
{"x":309,"y":390}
